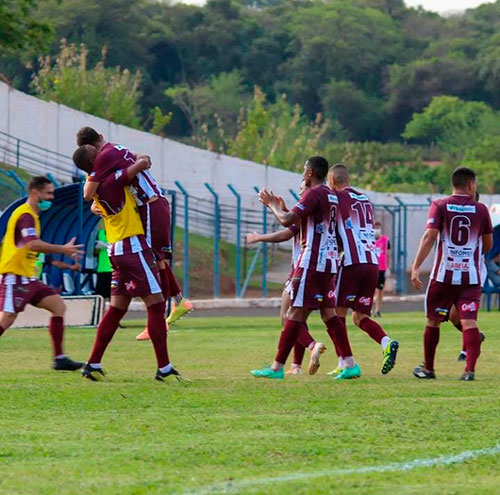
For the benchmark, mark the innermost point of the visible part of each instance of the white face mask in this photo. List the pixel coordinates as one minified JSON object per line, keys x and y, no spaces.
{"x":378,"y":232}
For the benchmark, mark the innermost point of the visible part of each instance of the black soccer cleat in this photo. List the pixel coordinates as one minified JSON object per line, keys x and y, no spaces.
{"x":467,"y":376}
{"x":93,"y":374}
{"x":66,"y":364}
{"x":422,"y":373}
{"x":483,"y":337}
{"x":160,"y":376}
{"x":462,"y":356}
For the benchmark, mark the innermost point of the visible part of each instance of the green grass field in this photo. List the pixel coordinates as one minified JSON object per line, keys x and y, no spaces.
{"x":230,"y":433}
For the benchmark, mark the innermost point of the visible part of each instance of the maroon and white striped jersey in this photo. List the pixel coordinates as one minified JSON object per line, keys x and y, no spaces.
{"x":355,"y":227}
{"x":297,"y":244}
{"x":317,"y":210}
{"x":462,"y":222}
{"x":113,"y":157}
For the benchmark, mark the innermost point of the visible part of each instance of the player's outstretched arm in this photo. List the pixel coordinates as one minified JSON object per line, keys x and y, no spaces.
{"x":69,"y":249}
{"x":279,"y":236}
{"x":426,"y":244}
{"x":141,"y":164}
{"x":286,"y":218}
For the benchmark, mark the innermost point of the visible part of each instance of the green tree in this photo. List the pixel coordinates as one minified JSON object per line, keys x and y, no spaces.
{"x":110,"y":93}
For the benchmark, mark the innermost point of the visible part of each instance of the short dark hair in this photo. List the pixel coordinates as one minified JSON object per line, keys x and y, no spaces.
{"x":87,"y":135}
{"x":319,"y":165}
{"x":38,"y":183}
{"x":81,"y":158}
{"x":462,"y":176}
{"x":340,"y":173}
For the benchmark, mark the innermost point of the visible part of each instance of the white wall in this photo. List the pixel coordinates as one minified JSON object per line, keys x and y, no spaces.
{"x":53,"y":126}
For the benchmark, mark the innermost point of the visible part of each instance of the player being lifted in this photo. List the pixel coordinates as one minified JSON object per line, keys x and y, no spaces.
{"x":461,"y":228}
{"x":19,"y":283}
{"x":135,"y":271}
{"x":154,"y":210}
{"x":304,"y":340}
{"x":313,"y":281}
{"x":358,"y":276}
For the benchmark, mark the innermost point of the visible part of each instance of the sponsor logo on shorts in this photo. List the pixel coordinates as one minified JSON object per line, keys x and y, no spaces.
{"x":442,"y":311}
{"x":114,"y":284}
{"x":18,"y":302}
{"x":130,"y":285}
{"x":365,"y":300}
{"x":351,"y":297}
{"x":331,"y":294}
{"x":471,"y":307}
{"x":319,"y":297}
{"x":461,"y":208}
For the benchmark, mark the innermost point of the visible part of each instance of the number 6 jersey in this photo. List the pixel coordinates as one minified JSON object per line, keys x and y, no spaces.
{"x":462,"y":222}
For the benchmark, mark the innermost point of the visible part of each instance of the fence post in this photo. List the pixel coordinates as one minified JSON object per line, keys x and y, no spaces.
{"x":185,"y":282}
{"x":18,"y":181}
{"x":216,"y":238}
{"x":238,"y":240}
{"x":53,"y":180}
{"x":294,"y":194}
{"x":401,"y":282}
{"x":18,"y":152}
{"x":264,"y":248}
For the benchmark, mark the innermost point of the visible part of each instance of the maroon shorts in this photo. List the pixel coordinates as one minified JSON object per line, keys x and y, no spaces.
{"x":17,"y":291}
{"x":441,"y":297}
{"x":155,"y":218}
{"x":356,"y":286}
{"x":312,"y":290}
{"x":135,"y":275}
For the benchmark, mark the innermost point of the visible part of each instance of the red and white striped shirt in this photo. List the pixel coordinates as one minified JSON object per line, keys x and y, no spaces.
{"x":317,"y":210}
{"x":355,"y":227}
{"x":462,"y":222}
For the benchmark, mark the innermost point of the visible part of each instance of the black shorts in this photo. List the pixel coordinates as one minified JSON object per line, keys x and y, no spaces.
{"x":381,"y":279}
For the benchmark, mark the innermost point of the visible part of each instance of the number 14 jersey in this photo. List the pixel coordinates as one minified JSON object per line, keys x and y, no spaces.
{"x":462,"y":222}
{"x":355,"y":227}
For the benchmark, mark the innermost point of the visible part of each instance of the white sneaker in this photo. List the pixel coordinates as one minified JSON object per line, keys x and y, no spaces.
{"x":318,"y":349}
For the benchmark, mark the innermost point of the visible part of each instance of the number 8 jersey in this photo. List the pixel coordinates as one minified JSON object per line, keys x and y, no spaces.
{"x":462,"y":222}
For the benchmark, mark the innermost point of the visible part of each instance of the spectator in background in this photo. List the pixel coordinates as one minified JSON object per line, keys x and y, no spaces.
{"x":46,"y":259}
{"x":493,"y":267}
{"x":104,"y":269}
{"x":383,"y":250}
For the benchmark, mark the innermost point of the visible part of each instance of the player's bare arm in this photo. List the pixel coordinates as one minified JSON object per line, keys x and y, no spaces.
{"x":69,"y":249}
{"x":426,"y":244}
{"x":141,"y":164}
{"x":90,"y":190}
{"x":280,"y":236}
{"x":286,"y":218}
{"x":487,"y":242}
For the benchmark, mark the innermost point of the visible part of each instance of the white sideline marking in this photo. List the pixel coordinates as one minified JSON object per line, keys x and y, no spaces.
{"x":234,"y":486}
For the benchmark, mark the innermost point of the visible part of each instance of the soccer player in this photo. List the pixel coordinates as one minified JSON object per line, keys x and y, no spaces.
{"x":461,"y":228}
{"x":19,"y":283}
{"x":358,"y":276}
{"x":304,"y":340}
{"x":135,"y":270}
{"x":383,"y":250}
{"x":153,"y":208}
{"x":313,"y":282}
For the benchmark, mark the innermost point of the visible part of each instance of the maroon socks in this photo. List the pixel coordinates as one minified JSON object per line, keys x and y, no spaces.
{"x":288,"y":337}
{"x":373,"y":329}
{"x":337,"y":331}
{"x":56,"y":330}
{"x":431,"y":341}
{"x":157,"y":329}
{"x":472,"y":346}
{"x":105,"y":332}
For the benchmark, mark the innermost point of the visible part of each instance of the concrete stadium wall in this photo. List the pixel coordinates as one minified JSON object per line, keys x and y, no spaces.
{"x":54,"y":126}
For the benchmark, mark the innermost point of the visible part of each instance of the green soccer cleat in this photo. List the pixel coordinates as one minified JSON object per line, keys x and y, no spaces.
{"x":349,"y":373}
{"x":389,"y":357}
{"x":268,"y":373}
{"x":336,"y":371}
{"x":179,"y":310}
